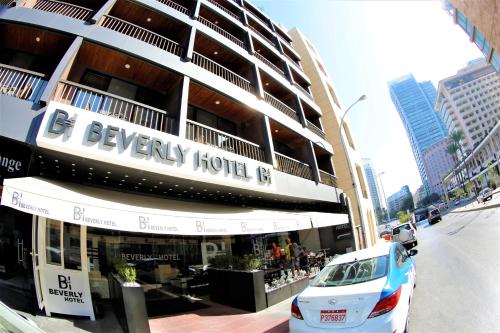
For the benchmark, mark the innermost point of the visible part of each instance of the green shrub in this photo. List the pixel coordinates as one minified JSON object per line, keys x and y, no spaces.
{"x":228,"y":261}
{"x":126,"y":272}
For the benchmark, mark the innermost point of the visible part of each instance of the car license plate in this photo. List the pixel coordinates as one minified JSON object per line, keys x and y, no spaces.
{"x":332,"y":316}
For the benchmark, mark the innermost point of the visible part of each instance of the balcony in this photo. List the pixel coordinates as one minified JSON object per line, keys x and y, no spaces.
{"x":222,"y":25}
{"x":21,"y":83}
{"x":327,"y":178}
{"x":268,"y":39}
{"x":304,"y":90}
{"x":315,"y":129}
{"x":141,"y":34}
{"x":175,"y":6}
{"x":94,"y":100}
{"x":209,"y":136}
{"x":222,"y":72}
{"x":63,"y":8}
{"x":277,"y":104}
{"x":293,"y":167}
{"x":219,"y":4}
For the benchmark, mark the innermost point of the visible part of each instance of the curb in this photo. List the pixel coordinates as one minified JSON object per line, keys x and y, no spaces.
{"x":476,"y":209}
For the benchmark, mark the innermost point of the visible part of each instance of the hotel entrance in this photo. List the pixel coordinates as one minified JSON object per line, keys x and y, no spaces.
{"x":16,"y":270}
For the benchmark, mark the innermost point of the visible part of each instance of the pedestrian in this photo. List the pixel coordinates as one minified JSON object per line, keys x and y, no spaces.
{"x":276,"y":251}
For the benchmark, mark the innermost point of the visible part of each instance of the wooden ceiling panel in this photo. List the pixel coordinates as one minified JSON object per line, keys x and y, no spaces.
{"x":25,"y":38}
{"x":113,"y":63}
{"x":285,"y":135}
{"x":206,"y":99}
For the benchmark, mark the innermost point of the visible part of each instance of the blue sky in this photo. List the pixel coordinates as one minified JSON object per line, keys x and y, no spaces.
{"x":365,"y":44}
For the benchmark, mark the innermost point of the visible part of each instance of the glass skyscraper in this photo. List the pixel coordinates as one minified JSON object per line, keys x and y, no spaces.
{"x":424,"y":127}
{"x":371,"y":178}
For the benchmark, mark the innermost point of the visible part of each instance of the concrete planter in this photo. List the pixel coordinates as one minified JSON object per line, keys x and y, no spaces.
{"x":129,"y":305}
{"x":240,"y":289}
{"x":280,"y":294}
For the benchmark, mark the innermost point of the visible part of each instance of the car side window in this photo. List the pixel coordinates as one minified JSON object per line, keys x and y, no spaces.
{"x":400,"y":255}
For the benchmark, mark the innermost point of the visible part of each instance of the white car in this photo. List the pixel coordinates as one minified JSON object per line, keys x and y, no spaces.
{"x":363,"y":291}
{"x":485,"y":195}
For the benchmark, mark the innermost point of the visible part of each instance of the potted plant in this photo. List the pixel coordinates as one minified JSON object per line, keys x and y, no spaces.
{"x":129,"y":299}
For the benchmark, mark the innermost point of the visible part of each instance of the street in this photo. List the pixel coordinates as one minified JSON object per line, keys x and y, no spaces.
{"x":457,"y":274}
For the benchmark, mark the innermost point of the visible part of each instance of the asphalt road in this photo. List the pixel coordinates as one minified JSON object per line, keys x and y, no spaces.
{"x":458,"y":274}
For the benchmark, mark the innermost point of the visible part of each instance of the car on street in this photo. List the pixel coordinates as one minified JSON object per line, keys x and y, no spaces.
{"x":11,"y":321}
{"x":406,"y":234}
{"x":485,"y":195}
{"x":369,"y":290}
{"x":434,"y":215}
{"x":456,"y":202}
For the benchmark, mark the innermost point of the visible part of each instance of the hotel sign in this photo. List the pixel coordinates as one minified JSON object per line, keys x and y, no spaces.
{"x":103,"y":138}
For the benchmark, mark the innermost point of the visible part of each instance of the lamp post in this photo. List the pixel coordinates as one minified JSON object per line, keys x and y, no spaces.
{"x":385,"y":198}
{"x":341,"y":126}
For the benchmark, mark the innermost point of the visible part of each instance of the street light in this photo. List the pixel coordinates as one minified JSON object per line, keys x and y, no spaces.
{"x":383,"y":193}
{"x":361,"y":98}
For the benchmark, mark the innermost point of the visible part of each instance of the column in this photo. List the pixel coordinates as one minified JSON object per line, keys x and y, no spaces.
{"x":188,"y":51}
{"x":59,"y":72}
{"x":312,"y":161}
{"x":268,"y":146}
{"x":105,"y":9}
{"x":183,"y":107}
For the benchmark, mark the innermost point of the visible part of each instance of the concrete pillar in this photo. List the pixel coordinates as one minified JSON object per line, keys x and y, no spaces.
{"x":300,"y":111}
{"x":188,"y":52}
{"x":249,"y":42}
{"x":259,"y":88}
{"x":61,"y":67}
{"x":268,"y":145}
{"x":196,"y":10}
{"x":105,"y":9}
{"x":183,"y":107}
{"x":312,"y":161}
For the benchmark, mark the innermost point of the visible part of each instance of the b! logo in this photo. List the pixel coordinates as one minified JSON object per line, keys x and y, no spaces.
{"x":64,"y":282}
{"x":243,"y":226}
{"x":200,"y":226}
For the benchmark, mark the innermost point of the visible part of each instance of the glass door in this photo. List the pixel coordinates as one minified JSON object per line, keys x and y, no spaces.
{"x":16,"y":275}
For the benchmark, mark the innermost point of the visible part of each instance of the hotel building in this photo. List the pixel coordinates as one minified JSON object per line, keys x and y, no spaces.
{"x":348,"y":164}
{"x":157,"y":132}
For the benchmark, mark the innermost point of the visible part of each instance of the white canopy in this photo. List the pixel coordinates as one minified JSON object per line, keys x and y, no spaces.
{"x":115,"y":210}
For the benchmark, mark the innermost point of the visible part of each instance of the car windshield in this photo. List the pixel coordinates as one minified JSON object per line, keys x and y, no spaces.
{"x":352,"y":272}
{"x":397,"y":230}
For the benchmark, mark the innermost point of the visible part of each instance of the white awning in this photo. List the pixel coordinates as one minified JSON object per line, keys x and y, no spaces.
{"x":115,"y":210}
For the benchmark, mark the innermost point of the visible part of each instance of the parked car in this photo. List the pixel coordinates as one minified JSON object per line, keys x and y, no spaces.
{"x":405,"y":234}
{"x":434,"y":215}
{"x":456,"y":202}
{"x":363,"y":291}
{"x":485,"y":195}
{"x":11,"y":321}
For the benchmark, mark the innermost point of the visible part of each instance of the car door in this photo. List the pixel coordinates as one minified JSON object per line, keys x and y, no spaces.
{"x":405,"y":269}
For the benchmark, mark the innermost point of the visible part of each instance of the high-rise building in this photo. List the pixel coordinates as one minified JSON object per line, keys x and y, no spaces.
{"x":348,"y":164}
{"x":438,"y":163}
{"x":414,"y":102}
{"x":397,"y":200}
{"x":470,"y":101}
{"x":158,"y":133}
{"x":479,"y":19}
{"x":375,"y":194}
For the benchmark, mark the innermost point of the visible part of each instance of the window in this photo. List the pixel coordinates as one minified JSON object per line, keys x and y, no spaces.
{"x":72,"y":257}
{"x":352,"y":272}
{"x":53,"y":242}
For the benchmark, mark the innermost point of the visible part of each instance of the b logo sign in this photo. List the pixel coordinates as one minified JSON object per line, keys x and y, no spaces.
{"x":64,"y":282}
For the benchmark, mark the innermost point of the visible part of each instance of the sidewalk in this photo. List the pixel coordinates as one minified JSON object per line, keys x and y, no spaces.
{"x":218,"y":318}
{"x":494,"y":202}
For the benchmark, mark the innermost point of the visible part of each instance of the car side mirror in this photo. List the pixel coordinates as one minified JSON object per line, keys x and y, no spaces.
{"x":412,"y":252}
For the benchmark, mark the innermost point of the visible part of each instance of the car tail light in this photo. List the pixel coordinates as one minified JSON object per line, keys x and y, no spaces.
{"x":386,"y":305}
{"x":295,"y":310}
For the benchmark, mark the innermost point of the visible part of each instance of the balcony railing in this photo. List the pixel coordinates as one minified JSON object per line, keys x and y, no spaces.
{"x":224,"y":9}
{"x":327,"y":179}
{"x":261,"y":35}
{"x":175,"y":6}
{"x":141,"y":34}
{"x":269,"y":63}
{"x":279,"y":105}
{"x":222,"y":32}
{"x":223,"y":72}
{"x":6,"y":3}
{"x":102,"y":102}
{"x":209,"y":136}
{"x":63,"y":8}
{"x":315,"y":129}
{"x":295,"y":62}
{"x":293,"y":167}
{"x":21,"y":83}
{"x":305,"y":91}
